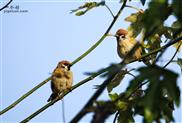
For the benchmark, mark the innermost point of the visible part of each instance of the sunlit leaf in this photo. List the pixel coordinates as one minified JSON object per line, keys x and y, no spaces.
{"x":122,"y":105}
{"x":114,"y":96}
{"x":87,"y":6}
{"x":136,"y":23}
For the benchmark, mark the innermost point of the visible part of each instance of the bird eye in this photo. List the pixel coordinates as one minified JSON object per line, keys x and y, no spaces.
{"x":122,"y":37}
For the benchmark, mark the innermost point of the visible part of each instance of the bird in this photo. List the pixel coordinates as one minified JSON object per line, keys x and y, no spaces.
{"x":61,"y":79}
{"x":125,"y":43}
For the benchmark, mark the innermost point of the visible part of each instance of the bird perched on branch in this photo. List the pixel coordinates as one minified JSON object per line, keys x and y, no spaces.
{"x":125,"y":43}
{"x":62,"y":79}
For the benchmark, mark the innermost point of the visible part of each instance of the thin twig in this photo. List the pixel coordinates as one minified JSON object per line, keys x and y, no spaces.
{"x":131,"y":74}
{"x":172,"y":56}
{"x":116,"y":116}
{"x":140,"y":10}
{"x":6,"y":5}
{"x":103,"y":37}
{"x":24,"y":96}
{"x":74,"y":62}
{"x":91,"y":78}
{"x":92,"y":99}
{"x":159,"y":49}
{"x":140,"y":85}
{"x":109,"y":10}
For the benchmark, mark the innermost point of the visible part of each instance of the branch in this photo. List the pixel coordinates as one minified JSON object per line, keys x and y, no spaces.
{"x":116,"y":116}
{"x":157,"y":50}
{"x":24,"y":96}
{"x":6,"y":5}
{"x":173,"y":56}
{"x":92,"y":99}
{"x":140,"y":85}
{"x":74,"y":62}
{"x":103,"y":37}
{"x":109,"y":10}
{"x":65,"y":93}
{"x":92,"y":77}
{"x":140,"y":10}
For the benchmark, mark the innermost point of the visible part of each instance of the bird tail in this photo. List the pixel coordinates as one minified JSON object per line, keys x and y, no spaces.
{"x":52,"y":97}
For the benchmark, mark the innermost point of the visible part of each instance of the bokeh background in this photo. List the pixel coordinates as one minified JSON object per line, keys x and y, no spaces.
{"x":33,"y":42}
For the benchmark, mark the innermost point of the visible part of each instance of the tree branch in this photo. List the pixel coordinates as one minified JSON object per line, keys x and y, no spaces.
{"x":139,"y":10}
{"x":116,"y":116}
{"x":172,"y":56}
{"x":103,"y":37}
{"x":109,"y":10}
{"x":92,"y":77}
{"x":74,"y":62}
{"x":80,"y":115}
{"x":24,"y":96}
{"x":6,"y":5}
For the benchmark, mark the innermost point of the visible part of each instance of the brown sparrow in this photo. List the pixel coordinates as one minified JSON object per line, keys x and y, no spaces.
{"x":125,"y":43}
{"x":62,"y":79}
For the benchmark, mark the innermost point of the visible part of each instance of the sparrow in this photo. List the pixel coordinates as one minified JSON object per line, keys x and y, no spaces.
{"x":125,"y":43}
{"x":61,"y":80}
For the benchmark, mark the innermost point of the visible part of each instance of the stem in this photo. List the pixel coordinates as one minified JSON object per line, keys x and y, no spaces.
{"x":159,"y":49}
{"x":66,"y":92}
{"x":109,"y":10}
{"x":6,"y":5}
{"x":74,"y":62}
{"x":140,"y":10}
{"x":24,"y":96}
{"x":173,"y":56}
{"x":102,"y":38}
{"x":115,"y":118}
{"x":91,"y":78}
{"x":83,"y":111}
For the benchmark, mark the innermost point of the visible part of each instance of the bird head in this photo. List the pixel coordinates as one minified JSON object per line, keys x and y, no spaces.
{"x":64,"y":64}
{"x":121,"y":34}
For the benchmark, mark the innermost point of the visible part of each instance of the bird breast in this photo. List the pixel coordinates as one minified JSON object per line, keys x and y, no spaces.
{"x":124,"y":47}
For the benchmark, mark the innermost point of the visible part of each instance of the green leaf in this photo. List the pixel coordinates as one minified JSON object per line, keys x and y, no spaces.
{"x":176,"y":6}
{"x":116,"y":80}
{"x":87,"y":6}
{"x":176,"y":25}
{"x":136,"y":23}
{"x":80,"y":13}
{"x":125,"y":116}
{"x":153,"y":100}
{"x":179,"y":61}
{"x":114,"y":96}
{"x":122,"y":105}
{"x":155,"y":15}
{"x":153,"y":43}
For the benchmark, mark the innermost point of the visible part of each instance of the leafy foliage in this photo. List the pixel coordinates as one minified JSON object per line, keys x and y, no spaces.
{"x":155,"y":101}
{"x":179,"y":61}
{"x":162,"y":88}
{"x":116,"y":80}
{"x":87,"y":6}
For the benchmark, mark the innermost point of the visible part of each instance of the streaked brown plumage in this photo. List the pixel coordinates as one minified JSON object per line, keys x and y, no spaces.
{"x":125,"y":43}
{"x":62,"y":79}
